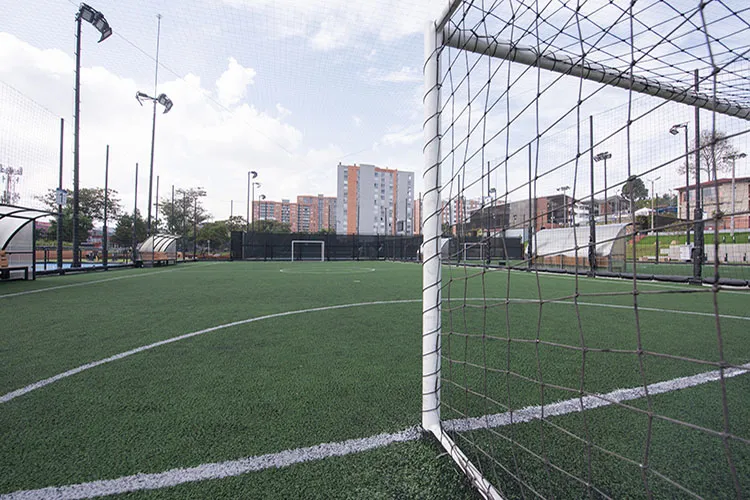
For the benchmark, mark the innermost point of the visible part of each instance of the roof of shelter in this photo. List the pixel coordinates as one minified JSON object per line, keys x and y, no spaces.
{"x":13,"y":218}
{"x":157,"y":242}
{"x":565,"y":240}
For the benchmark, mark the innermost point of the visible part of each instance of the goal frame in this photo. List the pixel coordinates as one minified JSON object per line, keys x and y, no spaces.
{"x":322,"y":248}
{"x":483,"y":250}
{"x":438,"y":35}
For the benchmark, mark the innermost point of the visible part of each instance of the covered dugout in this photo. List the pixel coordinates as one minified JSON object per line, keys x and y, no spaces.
{"x":568,"y":247}
{"x":158,"y":250}
{"x":17,"y":242}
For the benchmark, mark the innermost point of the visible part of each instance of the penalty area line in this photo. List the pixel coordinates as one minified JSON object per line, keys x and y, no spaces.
{"x":286,"y":458}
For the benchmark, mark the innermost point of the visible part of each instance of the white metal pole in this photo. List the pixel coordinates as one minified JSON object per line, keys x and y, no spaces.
{"x":731,"y":226}
{"x":431,"y":272}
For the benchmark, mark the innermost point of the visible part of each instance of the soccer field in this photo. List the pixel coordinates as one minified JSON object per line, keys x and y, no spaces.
{"x":221,"y":380}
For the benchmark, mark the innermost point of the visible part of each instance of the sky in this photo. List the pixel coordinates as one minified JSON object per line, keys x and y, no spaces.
{"x":288,"y":88}
{"x":285,"y":88}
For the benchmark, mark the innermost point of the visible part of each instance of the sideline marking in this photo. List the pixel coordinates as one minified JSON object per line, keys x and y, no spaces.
{"x":352,"y":270}
{"x":58,"y":287}
{"x":231,"y":468}
{"x":41,"y":383}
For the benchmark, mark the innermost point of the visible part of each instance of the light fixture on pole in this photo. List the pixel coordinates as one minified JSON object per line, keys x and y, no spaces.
{"x":653,"y":210}
{"x":261,"y":197}
{"x":604,"y":155}
{"x":167,"y":103}
{"x":98,"y":21}
{"x":252,"y":174}
{"x":254,"y":185}
{"x":733,"y":157}
{"x":674,"y":131}
{"x":564,"y":189}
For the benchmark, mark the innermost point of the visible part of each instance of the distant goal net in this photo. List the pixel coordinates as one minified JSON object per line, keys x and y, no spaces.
{"x":475,"y":251}
{"x":311,"y":250}
{"x":609,"y":138}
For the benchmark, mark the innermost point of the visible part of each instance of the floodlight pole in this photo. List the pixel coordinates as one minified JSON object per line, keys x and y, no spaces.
{"x":653,"y":210}
{"x":76,"y":142}
{"x":135,"y":211}
{"x":153,"y":126}
{"x":195,"y":228}
{"x":100,"y":23}
{"x":698,"y":249}
{"x":674,"y":131}
{"x":106,"y":202}
{"x":59,"y":206}
{"x":606,"y":155}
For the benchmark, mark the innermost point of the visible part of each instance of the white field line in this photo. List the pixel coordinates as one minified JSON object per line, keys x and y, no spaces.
{"x":37,"y":385}
{"x":216,"y":470}
{"x":41,"y":383}
{"x":84,"y":283}
{"x":286,"y":458}
{"x":589,"y":402}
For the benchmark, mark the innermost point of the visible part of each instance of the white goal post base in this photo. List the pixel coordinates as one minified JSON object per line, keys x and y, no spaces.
{"x":313,"y":242}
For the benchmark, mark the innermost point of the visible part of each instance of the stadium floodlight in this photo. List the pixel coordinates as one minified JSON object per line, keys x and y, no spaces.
{"x":162,"y":99}
{"x":252,"y":174}
{"x":604,"y":156}
{"x":470,"y":388}
{"x":733,"y":157}
{"x":96,"y":19}
{"x":674,"y":130}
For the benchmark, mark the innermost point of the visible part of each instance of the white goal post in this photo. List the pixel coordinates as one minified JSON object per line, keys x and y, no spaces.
{"x":320,"y":243}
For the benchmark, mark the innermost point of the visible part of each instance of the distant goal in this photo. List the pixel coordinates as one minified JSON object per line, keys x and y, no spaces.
{"x":308,"y":250}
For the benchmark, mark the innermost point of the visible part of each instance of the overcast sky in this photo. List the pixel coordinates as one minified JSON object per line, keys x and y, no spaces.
{"x":288,"y":88}
{"x":285,"y":88}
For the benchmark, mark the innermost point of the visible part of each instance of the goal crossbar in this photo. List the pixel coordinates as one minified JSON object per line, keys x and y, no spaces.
{"x":599,"y":73}
{"x":313,"y":242}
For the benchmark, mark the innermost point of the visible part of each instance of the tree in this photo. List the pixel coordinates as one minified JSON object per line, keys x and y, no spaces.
{"x":124,"y":230}
{"x":710,"y":157}
{"x":90,"y":203}
{"x":215,"y":232}
{"x":638,"y":189}
{"x":236,"y":223}
{"x":187,"y":212}
{"x":270,"y":226}
{"x":90,"y":209}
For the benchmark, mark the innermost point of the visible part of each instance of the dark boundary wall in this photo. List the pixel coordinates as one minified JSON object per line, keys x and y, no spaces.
{"x":278,"y":246}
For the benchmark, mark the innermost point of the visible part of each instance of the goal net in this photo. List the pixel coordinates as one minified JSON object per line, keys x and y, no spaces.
{"x":308,"y":250}
{"x":610,"y":137}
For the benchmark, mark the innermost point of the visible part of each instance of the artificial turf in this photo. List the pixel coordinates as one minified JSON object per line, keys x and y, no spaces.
{"x":330,"y":375}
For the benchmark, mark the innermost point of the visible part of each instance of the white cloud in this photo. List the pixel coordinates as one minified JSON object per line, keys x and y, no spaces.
{"x":283,"y":112}
{"x":232,"y":85}
{"x":197,"y":143}
{"x":405,"y":74}
{"x":330,"y":35}
{"x":403,"y":137}
{"x":357,"y":121}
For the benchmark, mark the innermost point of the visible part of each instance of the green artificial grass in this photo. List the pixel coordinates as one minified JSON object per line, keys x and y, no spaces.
{"x":331,"y":375}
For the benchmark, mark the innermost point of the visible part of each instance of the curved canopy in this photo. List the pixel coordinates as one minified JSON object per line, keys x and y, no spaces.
{"x":14,"y":218}
{"x":158,"y":243}
{"x":566,"y":240}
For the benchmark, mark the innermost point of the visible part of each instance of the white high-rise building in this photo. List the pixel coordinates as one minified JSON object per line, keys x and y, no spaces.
{"x":374,"y":200}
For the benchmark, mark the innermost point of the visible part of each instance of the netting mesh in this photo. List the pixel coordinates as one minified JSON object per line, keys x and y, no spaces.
{"x":609,"y":137}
